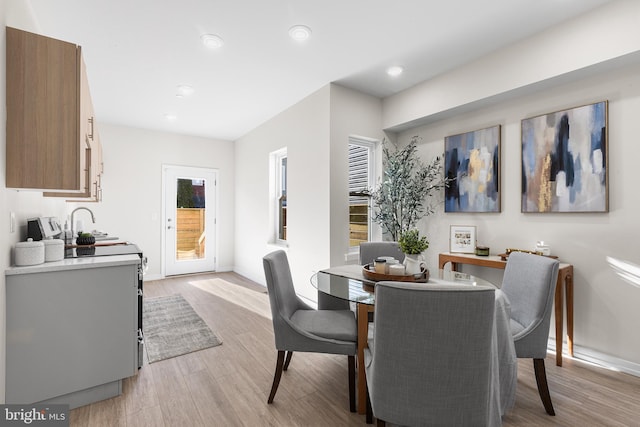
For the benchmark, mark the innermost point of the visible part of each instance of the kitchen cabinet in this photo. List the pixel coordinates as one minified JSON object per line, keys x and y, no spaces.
{"x":71,"y":332}
{"x":92,"y":149}
{"x":51,"y":144}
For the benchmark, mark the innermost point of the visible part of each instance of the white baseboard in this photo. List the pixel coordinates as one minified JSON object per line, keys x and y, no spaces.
{"x":149,"y":277}
{"x":260,"y":280}
{"x":605,"y":360}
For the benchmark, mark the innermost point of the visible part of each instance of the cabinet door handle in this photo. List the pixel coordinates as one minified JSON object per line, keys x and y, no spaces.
{"x":91,"y":128}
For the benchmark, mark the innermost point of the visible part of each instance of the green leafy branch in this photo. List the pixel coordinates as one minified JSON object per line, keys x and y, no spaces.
{"x":401,"y":199}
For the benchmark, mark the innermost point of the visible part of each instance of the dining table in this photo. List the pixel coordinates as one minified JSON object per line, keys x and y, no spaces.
{"x":348,"y":283}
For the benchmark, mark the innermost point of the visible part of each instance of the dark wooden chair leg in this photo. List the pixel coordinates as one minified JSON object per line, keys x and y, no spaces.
{"x":288,"y":360}
{"x":369,"y":411}
{"x":277,"y":375}
{"x":352,"y":383}
{"x":543,"y":387}
{"x":381,"y":423}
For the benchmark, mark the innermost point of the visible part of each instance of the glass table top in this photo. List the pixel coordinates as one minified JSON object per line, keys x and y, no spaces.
{"x":348,"y":283}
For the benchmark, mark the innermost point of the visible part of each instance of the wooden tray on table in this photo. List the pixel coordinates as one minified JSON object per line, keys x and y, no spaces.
{"x":370,"y":274}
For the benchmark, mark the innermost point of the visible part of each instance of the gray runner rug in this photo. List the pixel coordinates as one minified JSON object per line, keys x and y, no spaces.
{"x":172,"y":328}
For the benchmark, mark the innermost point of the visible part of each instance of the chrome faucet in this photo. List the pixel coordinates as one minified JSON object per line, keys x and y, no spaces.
{"x":93,"y":219}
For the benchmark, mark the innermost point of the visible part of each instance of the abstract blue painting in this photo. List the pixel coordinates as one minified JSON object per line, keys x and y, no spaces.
{"x":472,"y":160}
{"x":564,"y":161}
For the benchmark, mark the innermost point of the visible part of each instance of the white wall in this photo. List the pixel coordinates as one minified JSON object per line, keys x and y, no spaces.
{"x":606,"y":308}
{"x":352,"y":114}
{"x":586,"y":44}
{"x":316,"y":134}
{"x":132,"y":186}
{"x":606,"y":315}
{"x":304,"y":130}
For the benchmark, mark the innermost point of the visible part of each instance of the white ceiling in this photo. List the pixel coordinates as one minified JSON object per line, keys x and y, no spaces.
{"x":138,"y":51}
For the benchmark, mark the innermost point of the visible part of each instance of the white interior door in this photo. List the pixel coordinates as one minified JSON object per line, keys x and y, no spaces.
{"x":189,"y":219}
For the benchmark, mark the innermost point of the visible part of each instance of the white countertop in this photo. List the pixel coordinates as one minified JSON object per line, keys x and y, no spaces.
{"x":75,"y":264}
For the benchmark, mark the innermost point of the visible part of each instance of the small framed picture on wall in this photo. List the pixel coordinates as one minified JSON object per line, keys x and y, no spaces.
{"x":462,"y":239}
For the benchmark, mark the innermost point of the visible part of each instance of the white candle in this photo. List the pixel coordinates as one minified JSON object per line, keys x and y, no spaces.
{"x":396,"y":269}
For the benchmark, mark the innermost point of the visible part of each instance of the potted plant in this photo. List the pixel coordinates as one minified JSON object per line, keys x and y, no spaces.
{"x":412,"y":244}
{"x":401,"y":199}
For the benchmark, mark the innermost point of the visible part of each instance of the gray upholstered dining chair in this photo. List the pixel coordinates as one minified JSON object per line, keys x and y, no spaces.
{"x":298,"y":327}
{"x":529,"y":283}
{"x":429,"y":361}
{"x":369,"y":251}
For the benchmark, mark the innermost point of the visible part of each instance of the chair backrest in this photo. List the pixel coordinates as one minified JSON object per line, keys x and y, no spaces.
{"x":282,"y":295}
{"x":369,"y":251}
{"x":431,"y":354}
{"x":293,"y":332}
{"x":529,"y":282}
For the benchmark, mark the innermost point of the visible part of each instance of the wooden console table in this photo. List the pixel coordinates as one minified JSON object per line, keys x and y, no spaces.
{"x":564,"y":287}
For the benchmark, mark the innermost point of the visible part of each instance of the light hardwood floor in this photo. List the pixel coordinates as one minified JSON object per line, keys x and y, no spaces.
{"x":228,"y":385}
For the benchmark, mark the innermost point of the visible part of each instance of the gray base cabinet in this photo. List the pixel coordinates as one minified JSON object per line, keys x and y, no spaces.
{"x":70,"y":331}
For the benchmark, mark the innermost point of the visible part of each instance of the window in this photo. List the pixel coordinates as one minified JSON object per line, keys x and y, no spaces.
{"x":190,"y":219}
{"x":282,"y":198}
{"x":361,"y":179}
{"x":279,"y":194}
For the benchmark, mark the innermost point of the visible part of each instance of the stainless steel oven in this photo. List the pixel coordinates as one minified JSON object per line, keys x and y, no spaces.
{"x":111,"y":249}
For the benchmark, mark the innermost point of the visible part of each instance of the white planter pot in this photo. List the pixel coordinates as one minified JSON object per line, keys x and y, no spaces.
{"x":414,"y":264}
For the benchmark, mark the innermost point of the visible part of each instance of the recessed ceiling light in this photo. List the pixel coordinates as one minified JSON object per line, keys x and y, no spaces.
{"x":300,"y":32}
{"x":395,"y":71}
{"x":170,"y":117}
{"x":212,"y":41}
{"x":184,"y":90}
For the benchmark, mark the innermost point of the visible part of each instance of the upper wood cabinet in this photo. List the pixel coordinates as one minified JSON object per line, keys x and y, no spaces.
{"x":51,"y":142}
{"x":92,"y":149}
